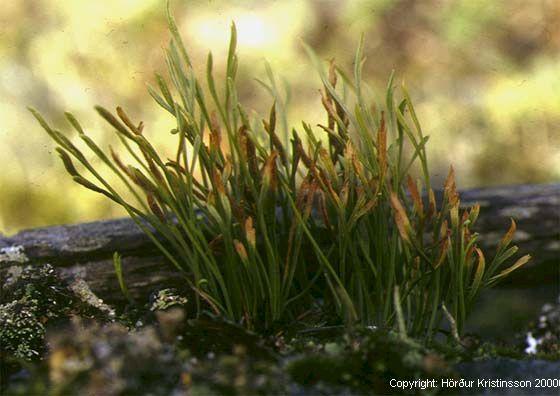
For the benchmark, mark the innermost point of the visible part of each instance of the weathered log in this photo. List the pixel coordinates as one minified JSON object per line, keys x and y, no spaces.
{"x":536,"y":210}
{"x":86,"y":249}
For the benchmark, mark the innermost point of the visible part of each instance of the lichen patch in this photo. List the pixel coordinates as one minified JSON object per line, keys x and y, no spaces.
{"x":14,"y":254}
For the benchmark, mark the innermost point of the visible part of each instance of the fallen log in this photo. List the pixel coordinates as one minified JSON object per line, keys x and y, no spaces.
{"x":86,"y":250}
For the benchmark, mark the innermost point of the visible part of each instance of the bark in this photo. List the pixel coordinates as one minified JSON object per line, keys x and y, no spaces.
{"x":536,"y":210}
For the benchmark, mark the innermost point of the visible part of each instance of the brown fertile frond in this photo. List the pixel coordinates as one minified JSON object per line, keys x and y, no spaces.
{"x":110,"y":118}
{"x":344,"y":193}
{"x":323,"y":209}
{"x":479,"y":274}
{"x":272,"y":119}
{"x":415,"y":195}
{"x":124,"y":117}
{"x":358,"y":167}
{"x":327,"y":104}
{"x":473,"y":213}
{"x":252,"y":159}
{"x":464,"y":217}
{"x":216,"y":244}
{"x":401,"y":218}
{"x":215,"y":133}
{"x":442,"y":252}
{"x":444,"y":231}
{"x":240,"y":249}
{"x":382,"y":147}
{"x":303,"y":155}
{"x":327,"y":99}
{"x":332,"y":73}
{"x":450,"y":188}
{"x":443,"y":243}
{"x":67,"y":161}
{"x":518,"y":264}
{"x":432,"y":210}
{"x":508,"y":237}
{"x":228,"y":168}
{"x":310,"y":198}
{"x":349,"y":152}
{"x":141,"y":180}
{"x":179,"y":169}
{"x":269,"y":171}
{"x":454,"y":215}
{"x":250,"y":233}
{"x":275,"y":143}
{"x":217,"y":182}
{"x":302,"y":191}
{"x":242,"y":142}
{"x":154,"y":207}
{"x":154,"y":170}
{"x":236,"y":208}
{"x":344,"y":117}
{"x":119,"y":163}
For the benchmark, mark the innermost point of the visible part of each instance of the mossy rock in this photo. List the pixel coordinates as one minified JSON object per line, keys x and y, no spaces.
{"x":33,"y":300}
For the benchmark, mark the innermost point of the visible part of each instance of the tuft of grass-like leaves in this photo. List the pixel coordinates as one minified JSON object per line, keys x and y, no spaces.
{"x":263,"y":228}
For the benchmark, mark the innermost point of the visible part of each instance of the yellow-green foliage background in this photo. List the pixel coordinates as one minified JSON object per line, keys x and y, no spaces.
{"x":485,"y":76}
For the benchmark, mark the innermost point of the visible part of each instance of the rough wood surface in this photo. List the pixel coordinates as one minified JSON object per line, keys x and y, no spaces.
{"x":536,"y":210}
{"x":86,"y":249}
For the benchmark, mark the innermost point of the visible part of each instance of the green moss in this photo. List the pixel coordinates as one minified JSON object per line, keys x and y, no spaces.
{"x":237,"y":373}
{"x":21,"y":331}
{"x":366,"y":361}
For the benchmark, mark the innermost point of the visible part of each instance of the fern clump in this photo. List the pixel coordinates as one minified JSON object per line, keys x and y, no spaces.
{"x":263,"y":226}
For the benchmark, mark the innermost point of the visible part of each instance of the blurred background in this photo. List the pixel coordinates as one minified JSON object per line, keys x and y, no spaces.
{"x":484,"y":76}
